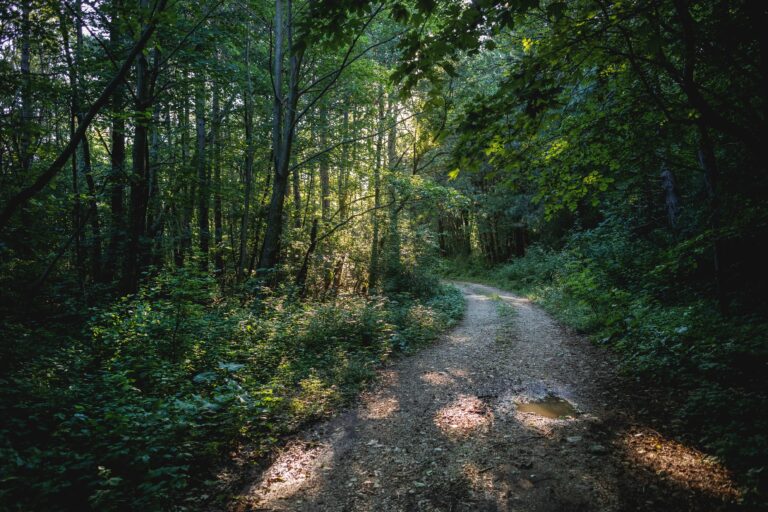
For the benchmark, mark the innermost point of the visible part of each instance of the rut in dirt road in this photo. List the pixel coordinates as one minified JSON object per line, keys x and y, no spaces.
{"x":446,"y":430}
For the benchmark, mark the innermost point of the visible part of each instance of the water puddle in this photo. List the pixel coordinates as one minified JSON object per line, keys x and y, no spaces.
{"x":550,"y":406}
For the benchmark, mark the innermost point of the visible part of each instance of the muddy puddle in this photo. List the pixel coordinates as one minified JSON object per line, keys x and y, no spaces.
{"x":550,"y":406}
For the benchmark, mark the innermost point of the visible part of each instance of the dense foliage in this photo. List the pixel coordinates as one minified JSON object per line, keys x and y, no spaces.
{"x":210,"y":236}
{"x":140,"y":406}
{"x":216,"y":218}
{"x":622,"y":139}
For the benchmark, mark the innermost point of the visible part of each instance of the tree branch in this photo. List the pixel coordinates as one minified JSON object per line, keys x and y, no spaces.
{"x":21,"y":198}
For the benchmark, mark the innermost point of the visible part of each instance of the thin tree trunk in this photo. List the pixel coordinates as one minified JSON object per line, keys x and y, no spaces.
{"x":154,"y":206}
{"x":373,"y":269}
{"x":188,"y":187}
{"x":301,"y":277}
{"x":74,"y":107}
{"x":392,"y":260}
{"x":85,"y":158}
{"x":139,"y":197}
{"x":25,"y":137}
{"x":117,"y":161}
{"x":202,"y":174}
{"x":343,"y":167}
{"x":671,"y":198}
{"x":218,"y":229}
{"x":708,"y":163}
{"x":249,"y":152}
{"x":325,"y":181}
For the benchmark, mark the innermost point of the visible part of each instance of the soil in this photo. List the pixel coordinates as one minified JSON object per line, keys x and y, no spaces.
{"x":444,"y":430}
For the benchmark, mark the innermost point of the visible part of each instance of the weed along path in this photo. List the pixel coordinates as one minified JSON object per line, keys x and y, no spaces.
{"x":508,"y":412}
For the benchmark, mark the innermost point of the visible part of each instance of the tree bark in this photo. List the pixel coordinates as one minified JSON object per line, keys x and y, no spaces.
{"x":249,"y":152}
{"x":325,"y":181}
{"x":25,"y":136}
{"x":671,"y":198}
{"x":373,"y":268}
{"x":85,"y":168}
{"x":392,"y":261}
{"x":117,"y":160}
{"x":708,"y":163}
{"x":283,"y":131}
{"x":202,"y":174}
{"x":139,"y":196}
{"x":218,"y":228}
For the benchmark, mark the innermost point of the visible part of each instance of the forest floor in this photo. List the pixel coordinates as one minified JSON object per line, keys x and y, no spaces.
{"x":463,"y":426}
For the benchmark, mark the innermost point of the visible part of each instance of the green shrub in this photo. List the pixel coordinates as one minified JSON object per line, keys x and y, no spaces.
{"x":135,"y":412}
{"x":641,"y":303}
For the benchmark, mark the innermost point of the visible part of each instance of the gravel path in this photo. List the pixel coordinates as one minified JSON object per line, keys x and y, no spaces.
{"x":442,"y":431}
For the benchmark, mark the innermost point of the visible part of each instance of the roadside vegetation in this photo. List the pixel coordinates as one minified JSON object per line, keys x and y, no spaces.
{"x":139,"y":407}
{"x":710,"y":368}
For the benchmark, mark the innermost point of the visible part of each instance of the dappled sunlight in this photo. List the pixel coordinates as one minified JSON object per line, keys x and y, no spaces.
{"x":446,"y":378}
{"x":380,"y":407}
{"x":478,"y":296}
{"x":388,"y":377}
{"x":551,"y":407}
{"x":488,"y":481}
{"x":466,"y":427}
{"x":437,"y":378}
{"x":467,"y":415}
{"x":297,"y":463}
{"x":459,"y":373}
{"x":515,"y":300}
{"x":684,"y":465}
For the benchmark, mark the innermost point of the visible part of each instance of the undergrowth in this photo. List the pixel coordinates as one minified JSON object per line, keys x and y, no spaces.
{"x":132,"y":412}
{"x":715,"y":363}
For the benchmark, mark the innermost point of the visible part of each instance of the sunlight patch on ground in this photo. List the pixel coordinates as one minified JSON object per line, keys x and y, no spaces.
{"x":465,"y":416}
{"x":381,"y":407}
{"x":682,"y":464}
{"x":448,"y":377}
{"x":514,"y":300}
{"x":295,"y":465}
{"x":437,"y":378}
{"x":487,"y":481}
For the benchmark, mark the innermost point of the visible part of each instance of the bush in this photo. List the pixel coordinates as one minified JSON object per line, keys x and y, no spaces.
{"x":136,"y":410}
{"x":665,"y":332}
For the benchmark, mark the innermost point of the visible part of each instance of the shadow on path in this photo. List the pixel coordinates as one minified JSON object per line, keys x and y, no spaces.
{"x":442,"y":431}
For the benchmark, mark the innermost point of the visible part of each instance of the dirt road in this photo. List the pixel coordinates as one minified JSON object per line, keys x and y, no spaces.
{"x":460,"y":427}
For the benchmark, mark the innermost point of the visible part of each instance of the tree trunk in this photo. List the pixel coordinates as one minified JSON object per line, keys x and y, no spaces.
{"x":325,"y":181}
{"x":392,"y":260}
{"x":301,"y":277}
{"x":139,"y":196}
{"x":373,"y":268}
{"x":202,"y":174}
{"x":249,"y":151}
{"x":117,"y":162}
{"x":708,"y":163}
{"x":671,"y":198}
{"x":74,"y":107}
{"x":187,"y":187}
{"x":343,"y":167}
{"x":25,"y":136}
{"x":218,"y":229}
{"x":282,"y":137}
{"x":85,"y":158}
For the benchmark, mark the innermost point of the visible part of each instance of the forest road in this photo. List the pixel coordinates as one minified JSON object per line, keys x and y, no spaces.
{"x":447,"y":430}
